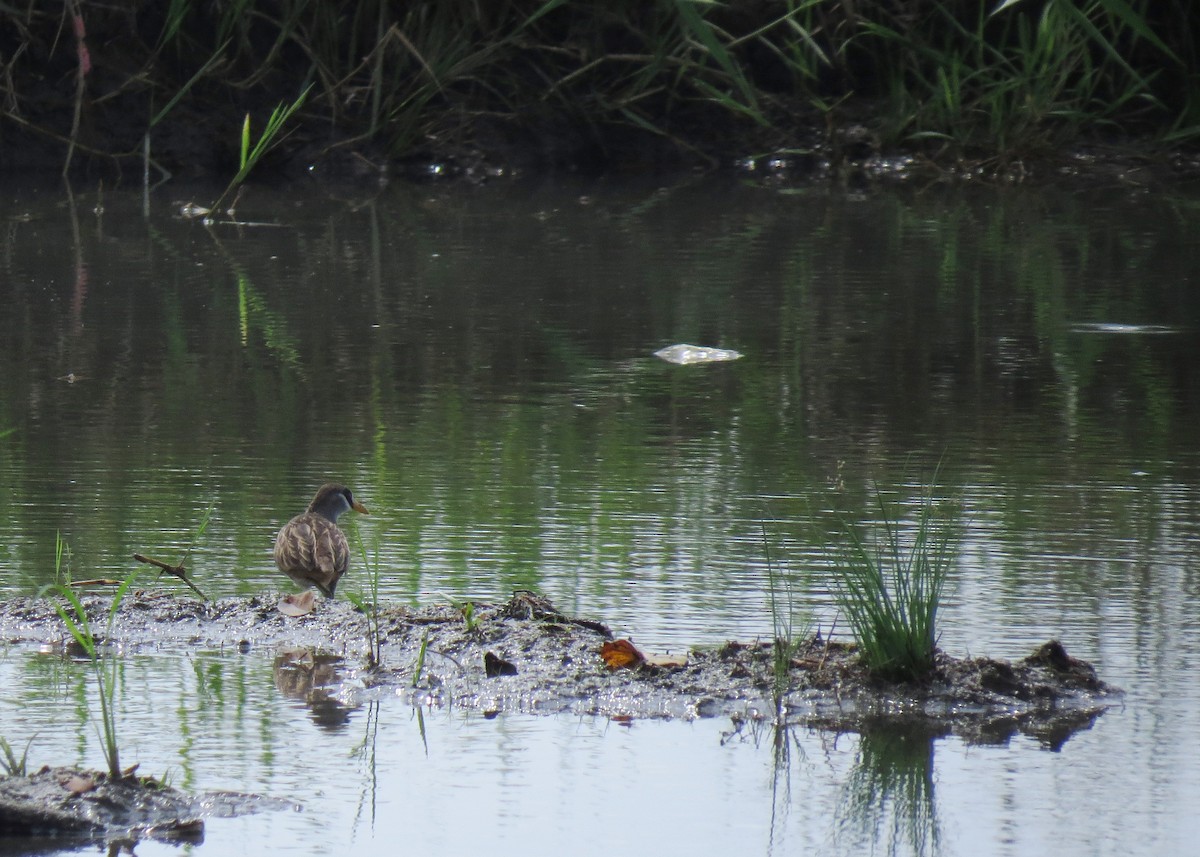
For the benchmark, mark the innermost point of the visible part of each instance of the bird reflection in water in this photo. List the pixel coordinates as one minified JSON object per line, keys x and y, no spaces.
{"x":309,"y":677}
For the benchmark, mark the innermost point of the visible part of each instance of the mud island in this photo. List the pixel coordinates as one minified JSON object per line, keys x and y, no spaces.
{"x":524,"y":656}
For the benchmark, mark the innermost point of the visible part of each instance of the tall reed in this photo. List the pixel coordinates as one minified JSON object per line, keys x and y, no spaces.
{"x":454,"y":76}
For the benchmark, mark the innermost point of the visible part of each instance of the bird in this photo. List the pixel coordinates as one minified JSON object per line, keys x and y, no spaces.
{"x":310,"y":548}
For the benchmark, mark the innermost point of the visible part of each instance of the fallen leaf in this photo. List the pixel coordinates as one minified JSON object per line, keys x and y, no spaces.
{"x":78,"y":785}
{"x":620,"y":653}
{"x":298,"y":605}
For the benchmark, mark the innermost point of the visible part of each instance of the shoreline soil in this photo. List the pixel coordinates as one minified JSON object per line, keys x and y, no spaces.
{"x":525,"y":656}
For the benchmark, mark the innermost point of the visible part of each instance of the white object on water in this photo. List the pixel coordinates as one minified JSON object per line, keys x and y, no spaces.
{"x":1108,"y":327}
{"x":685,"y":355}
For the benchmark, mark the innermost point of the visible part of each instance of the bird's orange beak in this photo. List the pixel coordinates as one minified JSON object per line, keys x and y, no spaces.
{"x":359,"y":507}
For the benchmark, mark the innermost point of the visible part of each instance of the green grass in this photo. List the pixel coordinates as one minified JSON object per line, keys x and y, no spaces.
{"x":788,"y":633}
{"x":102,"y":659}
{"x":419,"y":666}
{"x":467,"y":609}
{"x":367,"y":602}
{"x":1022,"y":79}
{"x":890,"y":585}
{"x":14,"y":767}
{"x":267,"y":140}
{"x":963,"y":77}
{"x":62,"y":560}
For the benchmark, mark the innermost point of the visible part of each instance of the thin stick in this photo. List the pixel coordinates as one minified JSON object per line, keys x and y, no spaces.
{"x":176,"y":570}
{"x":85,"y":66}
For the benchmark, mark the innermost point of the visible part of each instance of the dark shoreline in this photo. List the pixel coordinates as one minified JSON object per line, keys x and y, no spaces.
{"x":422,"y":89}
{"x":302,"y":160}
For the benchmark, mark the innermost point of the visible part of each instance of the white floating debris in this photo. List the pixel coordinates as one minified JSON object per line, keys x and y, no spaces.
{"x":191,"y":210}
{"x":1105,"y":327}
{"x":685,"y":355}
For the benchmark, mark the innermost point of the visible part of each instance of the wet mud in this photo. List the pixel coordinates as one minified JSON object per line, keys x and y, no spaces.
{"x":526,"y":656}
{"x":520,"y":656}
{"x":54,"y":807}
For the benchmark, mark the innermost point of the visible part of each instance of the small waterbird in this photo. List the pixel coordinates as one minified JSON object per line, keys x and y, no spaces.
{"x":311,"y":549}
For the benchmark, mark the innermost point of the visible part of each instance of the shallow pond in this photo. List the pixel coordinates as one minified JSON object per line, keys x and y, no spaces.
{"x":477,"y":363}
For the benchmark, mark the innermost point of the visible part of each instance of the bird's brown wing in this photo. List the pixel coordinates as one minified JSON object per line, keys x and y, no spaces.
{"x":312,"y":551}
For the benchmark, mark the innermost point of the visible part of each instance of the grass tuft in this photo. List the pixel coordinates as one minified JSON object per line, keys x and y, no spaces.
{"x":889,"y":587}
{"x":14,"y":767}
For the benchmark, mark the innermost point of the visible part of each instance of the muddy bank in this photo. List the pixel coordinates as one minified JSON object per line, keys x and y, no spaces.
{"x":68,"y":802}
{"x":54,"y":807}
{"x":526,"y":656}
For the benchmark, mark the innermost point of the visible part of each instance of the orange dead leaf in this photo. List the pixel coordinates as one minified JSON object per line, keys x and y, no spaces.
{"x":620,"y":653}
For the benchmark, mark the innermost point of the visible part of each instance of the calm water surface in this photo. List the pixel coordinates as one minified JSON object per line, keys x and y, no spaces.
{"x":477,"y":364}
